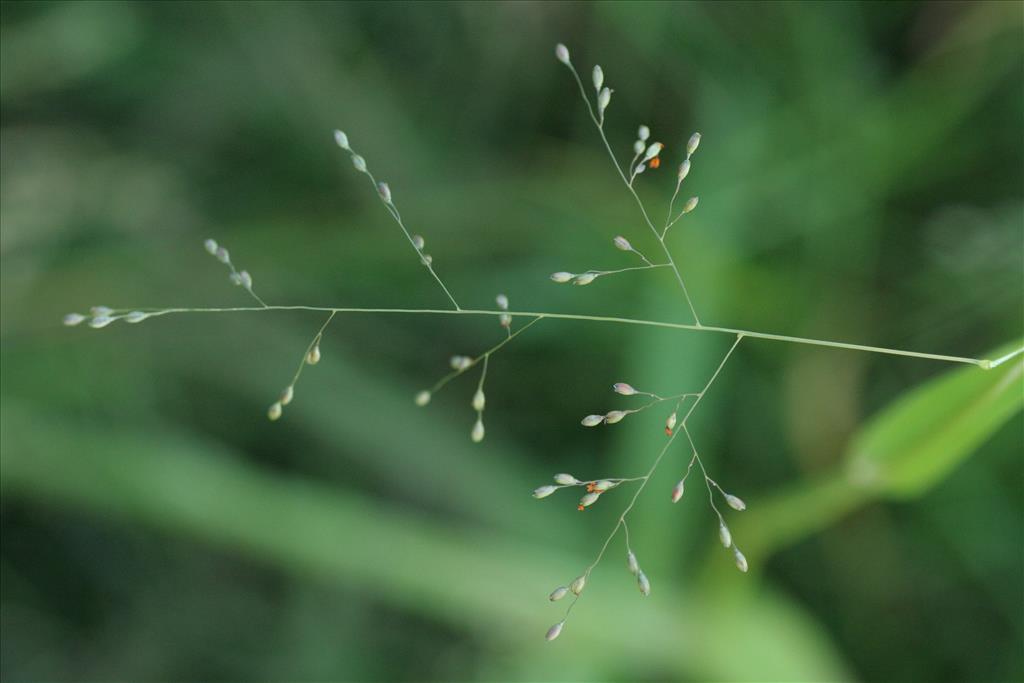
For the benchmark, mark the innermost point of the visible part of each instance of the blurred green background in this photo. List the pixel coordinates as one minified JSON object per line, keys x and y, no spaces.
{"x":860,"y":177}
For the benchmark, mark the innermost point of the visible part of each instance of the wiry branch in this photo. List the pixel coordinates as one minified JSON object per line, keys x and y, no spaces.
{"x":599,"y":122}
{"x":384,"y":192}
{"x":111,"y":315}
{"x":578,"y":584}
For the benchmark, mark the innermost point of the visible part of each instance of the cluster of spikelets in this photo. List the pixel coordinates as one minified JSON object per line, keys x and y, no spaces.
{"x":623,"y":389}
{"x":650,"y":156}
{"x":578,"y":584}
{"x":384,"y":192}
{"x":594,"y":488}
{"x":460,"y":364}
{"x":646,"y":154}
{"x":312,"y":357}
{"x":101,"y":316}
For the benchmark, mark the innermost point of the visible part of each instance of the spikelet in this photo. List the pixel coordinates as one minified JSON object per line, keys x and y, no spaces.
{"x":603,"y":100}
{"x":544,"y":491}
{"x":643,"y":583}
{"x":677,"y":491}
{"x":670,"y":424}
{"x":684,"y":170}
{"x":691,"y":144}
{"x":723,"y":535}
{"x":584,"y":278}
{"x":653,"y":150}
{"x":477,"y":433}
{"x":135,"y":317}
{"x":614,"y":416}
{"x":741,"y":560}
{"x":735,"y":502}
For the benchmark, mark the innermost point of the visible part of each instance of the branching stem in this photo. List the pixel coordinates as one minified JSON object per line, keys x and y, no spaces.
{"x":979,"y":362}
{"x":483,"y":356}
{"x":621,"y":521}
{"x":639,"y":203}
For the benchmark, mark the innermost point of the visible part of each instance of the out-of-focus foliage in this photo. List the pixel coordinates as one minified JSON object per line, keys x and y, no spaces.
{"x":860,"y":179}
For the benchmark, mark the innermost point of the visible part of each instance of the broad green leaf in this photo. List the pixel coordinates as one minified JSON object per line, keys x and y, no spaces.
{"x":917,"y":441}
{"x":903,"y":450}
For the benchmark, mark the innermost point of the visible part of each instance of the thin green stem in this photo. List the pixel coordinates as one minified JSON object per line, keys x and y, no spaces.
{"x":988,"y":364}
{"x":700,"y":396}
{"x":658,"y":400}
{"x":708,"y":481}
{"x":671,"y":203}
{"x":480,"y":384}
{"x":982,"y":363}
{"x":601,"y":273}
{"x":483,"y":356}
{"x":316,"y":340}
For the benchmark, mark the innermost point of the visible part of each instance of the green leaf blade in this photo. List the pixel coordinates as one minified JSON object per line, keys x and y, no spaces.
{"x":916,"y":442}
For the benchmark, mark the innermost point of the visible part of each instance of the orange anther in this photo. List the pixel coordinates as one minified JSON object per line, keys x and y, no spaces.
{"x":654,"y":163}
